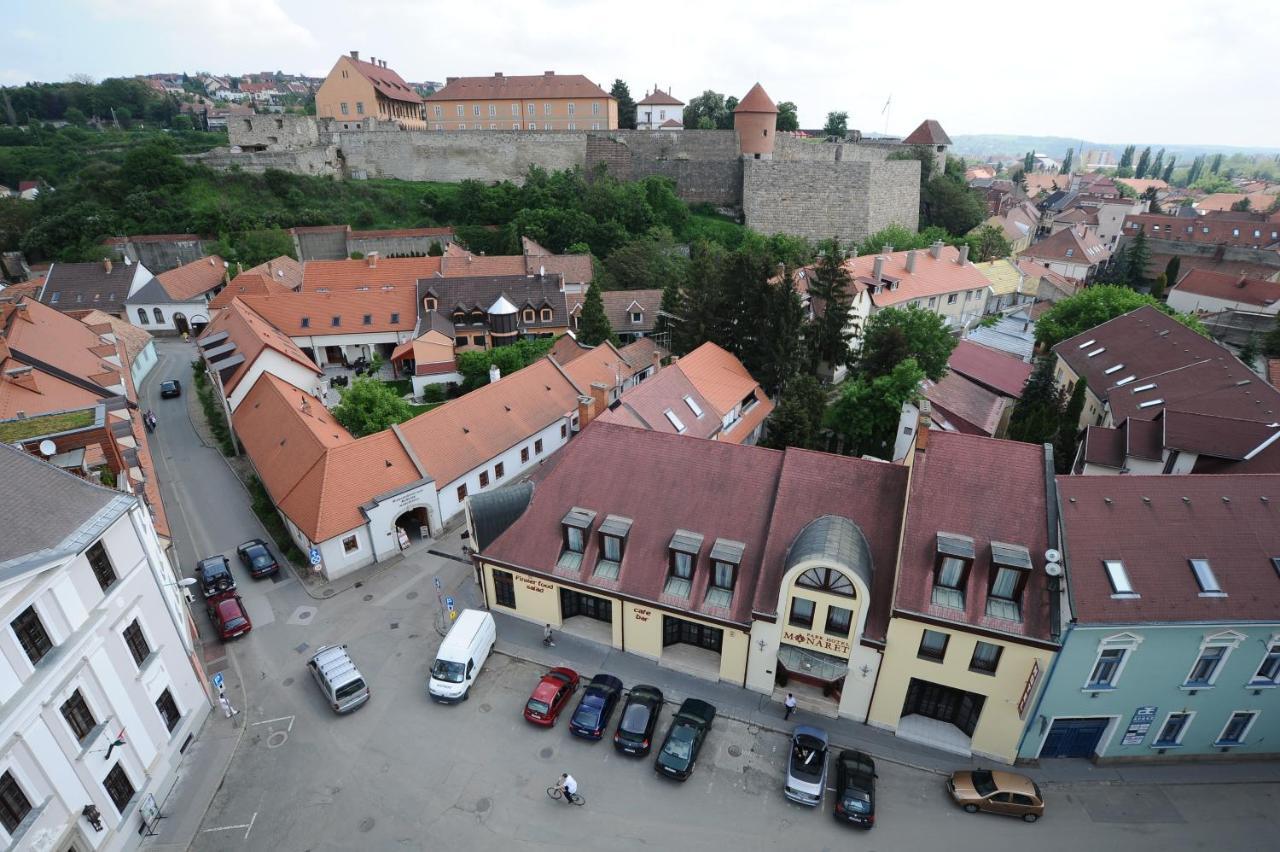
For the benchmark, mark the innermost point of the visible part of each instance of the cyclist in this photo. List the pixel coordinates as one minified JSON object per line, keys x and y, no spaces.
{"x":569,"y":785}
{"x":546,"y":636}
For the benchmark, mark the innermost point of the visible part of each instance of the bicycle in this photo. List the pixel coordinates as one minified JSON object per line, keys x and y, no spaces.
{"x":557,"y":792}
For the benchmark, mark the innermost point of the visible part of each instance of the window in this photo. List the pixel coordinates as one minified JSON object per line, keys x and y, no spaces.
{"x":722,"y":576}
{"x":682,"y":564}
{"x":951,"y":299}
{"x":637,"y":317}
{"x":933,"y":645}
{"x":461,"y":110}
{"x":1204,"y":577}
{"x":1268,"y":673}
{"x":359,"y":107}
{"x":493,"y":111}
{"x":985,"y":658}
{"x":839,"y":620}
{"x":306,"y":322}
{"x":515,"y":111}
{"x":515,"y":125}
{"x":158,"y":315}
{"x":524,"y":454}
{"x":54,"y":298}
{"x":119,"y":788}
{"x":504,"y":588}
{"x":529,"y":315}
{"x":595,"y":125}
{"x":462,"y":492}
{"x":101,"y":565}
{"x":546,"y":315}
{"x":350,"y":544}
{"x":951,"y":571}
{"x":571,"y":126}
{"x":546,"y":109}
{"x":367,"y":319}
{"x":1237,"y":727}
{"x":564,"y":430}
{"x":142,"y":315}
{"x":345,"y":110}
{"x":827,"y":580}
{"x":137,"y":642}
{"x":335,"y":322}
{"x":462,"y":125}
{"x":168,"y":710}
{"x":1175,"y":725}
{"x":395,"y":319}
{"x":437,"y":110}
{"x":595,"y":109}
{"x":802,"y":613}
{"x":14,"y":805}
{"x":1120,"y":585}
{"x":499,"y":471}
{"x":537,"y":447}
{"x":533,"y":110}
{"x":933,"y":301}
{"x":674,"y":420}
{"x":693,"y":406}
{"x":1106,"y":670}
{"x":31,"y":635}
{"x":484,"y":479}
{"x":533,"y":125}
{"x":475,"y":110}
{"x":1205,"y":671}
{"x":492,"y":126}
{"x":78,"y":716}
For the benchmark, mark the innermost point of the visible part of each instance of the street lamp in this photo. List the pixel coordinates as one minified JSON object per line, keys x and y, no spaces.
{"x":185,"y":582}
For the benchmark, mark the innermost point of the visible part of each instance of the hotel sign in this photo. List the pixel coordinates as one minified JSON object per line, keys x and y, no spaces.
{"x":805,"y":639}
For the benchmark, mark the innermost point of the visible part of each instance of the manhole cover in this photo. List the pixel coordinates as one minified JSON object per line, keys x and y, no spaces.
{"x":753,"y":729}
{"x":277,"y":739}
{"x":395,"y":625}
{"x":357,"y":586}
{"x":483,"y":806}
{"x":411,"y":596}
{"x":366,"y":824}
{"x":288,"y":681}
{"x":328,"y":593}
{"x":546,"y":753}
{"x":485,"y":708}
{"x":304,"y":615}
{"x":734,"y":751}
{"x":368,"y":597}
{"x":304,"y":646}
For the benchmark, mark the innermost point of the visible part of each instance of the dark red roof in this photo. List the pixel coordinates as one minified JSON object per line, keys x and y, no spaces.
{"x":929,"y":132}
{"x":1230,"y":288}
{"x":965,"y":405}
{"x":756,"y":100}
{"x":387,"y":82}
{"x":1255,"y":232}
{"x":995,"y":370}
{"x":1222,"y":437}
{"x":1154,"y":525}
{"x":991,"y":491}
{"x":1104,"y":445}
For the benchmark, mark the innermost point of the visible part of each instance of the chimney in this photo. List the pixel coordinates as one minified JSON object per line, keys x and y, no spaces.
{"x":372,"y":259}
{"x":657,"y":360}
{"x":963,"y":255}
{"x":911,"y":261}
{"x":923,"y":424}
{"x":212,"y":262}
{"x":548,"y":73}
{"x":448,"y":81}
{"x":878,"y":270}
{"x":494,"y":373}
{"x":355,"y":54}
{"x":586,"y":411}
{"x":600,"y":396}
{"x":240,"y":267}
{"x":306,"y":406}
{"x":373,"y":59}
{"x":935,"y":250}
{"x":498,"y":74}
{"x":106,"y":264}
{"x":23,"y":377}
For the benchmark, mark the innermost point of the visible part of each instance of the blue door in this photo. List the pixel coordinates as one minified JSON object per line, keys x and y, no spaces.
{"x":1073,"y":738}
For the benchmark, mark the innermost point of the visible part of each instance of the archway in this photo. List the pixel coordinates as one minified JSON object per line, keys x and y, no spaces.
{"x":413,"y":527}
{"x":198,"y":323}
{"x":180,"y":323}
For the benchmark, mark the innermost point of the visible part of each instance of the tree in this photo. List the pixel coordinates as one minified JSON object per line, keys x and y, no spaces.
{"x":626,"y":105}
{"x":1151,"y":196}
{"x":370,"y":406}
{"x":1068,"y":438}
{"x":1216,"y":165}
{"x":1197,"y":168}
{"x":1126,"y":158}
{"x":593,"y":325}
{"x":1137,"y":258}
{"x":1066,"y":161}
{"x":988,"y":243}
{"x":1249,"y":352}
{"x":1158,"y":286}
{"x":75,"y":117}
{"x":182,"y":123}
{"x":768,"y":318}
{"x":948,"y":203}
{"x":708,"y":111}
{"x":706,"y":302}
{"x":837,"y":124}
{"x":1029,"y":162}
{"x":1144,"y":163}
{"x":797,"y":418}
{"x":787,"y":117}
{"x":669,"y":315}
{"x":474,"y":366}
{"x":867,"y":411}
{"x":1241,"y":206}
{"x":1171,"y":270}
{"x":828,"y":335}
{"x":1095,"y":305}
{"x":1157,"y":165}
{"x":1271,"y":341}
{"x":640,"y":264}
{"x":1038,"y":413}
{"x":893,"y":335}
{"x":1167,"y":177}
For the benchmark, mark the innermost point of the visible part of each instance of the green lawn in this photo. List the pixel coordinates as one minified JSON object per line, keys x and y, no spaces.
{"x":48,"y":424}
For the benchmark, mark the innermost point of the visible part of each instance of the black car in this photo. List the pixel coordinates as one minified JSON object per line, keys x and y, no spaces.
{"x":214,"y":575}
{"x":170,"y":387}
{"x":856,"y":789}
{"x":595,"y":707}
{"x":639,"y":717}
{"x":256,"y":556}
{"x":679,"y":753}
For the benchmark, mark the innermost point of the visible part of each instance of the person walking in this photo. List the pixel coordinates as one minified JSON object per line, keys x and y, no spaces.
{"x":790,"y":704}
{"x":226,"y":706}
{"x":146,"y":421}
{"x":546,"y":636}
{"x":152,"y":420}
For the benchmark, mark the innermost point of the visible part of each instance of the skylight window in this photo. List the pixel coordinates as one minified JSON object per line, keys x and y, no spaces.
{"x":1097,"y":351}
{"x":1117,"y":368}
{"x":694,"y":407}
{"x":1204,"y":576}
{"x":1119,"y":578}
{"x":675,"y":421}
{"x":1125,"y":380}
{"x":1146,"y":387}
{"x":1150,"y":403}
{"x":1087,"y":343}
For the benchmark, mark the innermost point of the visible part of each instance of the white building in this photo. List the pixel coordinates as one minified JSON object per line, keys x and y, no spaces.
{"x":659,"y":111}
{"x":98,"y":682}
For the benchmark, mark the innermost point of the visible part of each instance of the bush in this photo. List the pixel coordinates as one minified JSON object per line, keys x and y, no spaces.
{"x":213,"y":410}
{"x":260,"y":500}
{"x":433,"y":393}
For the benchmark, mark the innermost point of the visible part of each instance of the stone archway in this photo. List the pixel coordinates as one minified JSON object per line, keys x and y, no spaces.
{"x":198,"y":323}
{"x":412,"y":527}
{"x":180,"y":323}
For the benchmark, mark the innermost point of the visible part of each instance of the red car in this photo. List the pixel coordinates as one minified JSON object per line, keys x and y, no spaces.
{"x":550,"y":696}
{"x":228,"y":615}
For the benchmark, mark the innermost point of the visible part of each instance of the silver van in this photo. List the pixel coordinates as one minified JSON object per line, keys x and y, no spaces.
{"x":340,"y":681}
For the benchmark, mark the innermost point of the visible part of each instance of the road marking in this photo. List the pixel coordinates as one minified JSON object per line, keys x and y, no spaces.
{"x":226,"y":827}
{"x":288,"y":719}
{"x":400,"y":589}
{"x":252,"y":820}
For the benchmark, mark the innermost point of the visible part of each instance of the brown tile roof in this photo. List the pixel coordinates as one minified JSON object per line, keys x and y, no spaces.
{"x":639,"y":353}
{"x":479,"y":292}
{"x":718,"y":376}
{"x":995,"y":370}
{"x":502,"y":87}
{"x":1104,"y":445}
{"x":1039,"y":271}
{"x":953,"y":490}
{"x":289,"y":311}
{"x":1221,"y":437}
{"x":1141,"y":185}
{"x":1253,"y":232}
{"x":282,"y":270}
{"x":135,"y":339}
{"x":193,"y":279}
{"x":643,"y":406}
{"x":929,"y":132}
{"x":566,"y":348}
{"x":966,"y":405}
{"x":1224,"y":201}
{"x":618,"y":306}
{"x":756,"y":100}
{"x":432,"y":353}
{"x":387,"y":82}
{"x":659,"y":98}
{"x":599,"y":364}
{"x":1154,"y":525}
{"x":399,"y":272}
{"x":251,"y":334}
{"x":1231,"y":288}
{"x":247,"y":284}
{"x":1144,"y":439}
{"x":1273,"y":371}
{"x":1076,"y":244}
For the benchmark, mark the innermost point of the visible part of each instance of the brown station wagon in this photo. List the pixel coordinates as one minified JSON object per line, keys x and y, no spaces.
{"x":997,"y":793}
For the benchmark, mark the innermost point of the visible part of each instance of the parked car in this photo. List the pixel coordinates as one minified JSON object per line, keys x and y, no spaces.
{"x":228,"y":615}
{"x":639,"y":718}
{"x":856,"y":788}
{"x":256,"y":556}
{"x":170,"y":388}
{"x":214,"y":574}
{"x":807,"y":768}
{"x":339,"y":679}
{"x":595,"y":707}
{"x":550,"y":696}
{"x":997,"y":792}
{"x":689,"y":728}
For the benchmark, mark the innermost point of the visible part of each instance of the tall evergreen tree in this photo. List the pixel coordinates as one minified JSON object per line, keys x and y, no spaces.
{"x":1144,"y":163}
{"x":626,"y":105}
{"x":1157,"y":165}
{"x":1167,"y":177}
{"x":1159,"y":285}
{"x":1137,"y":259}
{"x":1126,"y":158}
{"x":1029,"y":162}
{"x":1197,"y":168}
{"x":706,"y":303}
{"x":669,"y":315}
{"x":1217,"y":164}
{"x":797,"y":419}
{"x":593,"y":325}
{"x":1271,"y":341}
{"x":1066,"y":161}
{"x":1068,"y":439}
{"x":1038,"y":412}
{"x":828,"y":334}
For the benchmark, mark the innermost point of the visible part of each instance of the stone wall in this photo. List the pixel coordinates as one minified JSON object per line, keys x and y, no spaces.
{"x":161,"y":255}
{"x":790,"y":148}
{"x":406,"y":245}
{"x":273,"y":132}
{"x":894,"y":195}
{"x":319,"y":160}
{"x":317,"y":244}
{"x":449,"y":157}
{"x":703,"y":164}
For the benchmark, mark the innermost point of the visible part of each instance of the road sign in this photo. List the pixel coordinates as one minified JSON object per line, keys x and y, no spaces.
{"x":314,"y":556}
{"x":439,"y":585}
{"x":217,"y":681}
{"x":448,"y":603}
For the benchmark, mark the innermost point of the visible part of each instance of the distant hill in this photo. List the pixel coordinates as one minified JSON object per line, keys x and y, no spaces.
{"x":983,"y":145}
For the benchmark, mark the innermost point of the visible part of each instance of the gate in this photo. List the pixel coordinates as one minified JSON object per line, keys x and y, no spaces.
{"x":1073,"y":737}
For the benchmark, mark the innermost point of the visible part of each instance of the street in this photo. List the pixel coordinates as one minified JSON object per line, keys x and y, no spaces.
{"x":403,"y":772}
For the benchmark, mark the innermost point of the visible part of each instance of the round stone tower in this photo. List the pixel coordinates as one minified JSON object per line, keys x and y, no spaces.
{"x":756,"y":120}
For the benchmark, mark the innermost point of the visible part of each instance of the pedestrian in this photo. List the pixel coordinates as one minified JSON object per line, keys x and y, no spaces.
{"x":790,"y":704}
{"x":226,"y":706}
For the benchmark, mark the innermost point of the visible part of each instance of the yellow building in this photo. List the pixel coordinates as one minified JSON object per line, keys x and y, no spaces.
{"x":356,"y":90}
{"x":976,"y":618}
{"x":548,"y":101}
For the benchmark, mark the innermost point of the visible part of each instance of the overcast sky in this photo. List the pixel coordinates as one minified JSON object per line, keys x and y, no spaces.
{"x":1181,"y":71}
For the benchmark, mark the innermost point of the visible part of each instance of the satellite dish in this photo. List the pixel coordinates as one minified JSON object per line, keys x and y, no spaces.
{"x":1053,"y":569}
{"x":48,"y":448}
{"x":1052,"y":555}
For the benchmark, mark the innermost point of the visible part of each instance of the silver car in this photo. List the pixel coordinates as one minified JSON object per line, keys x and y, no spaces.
{"x":807,"y":768}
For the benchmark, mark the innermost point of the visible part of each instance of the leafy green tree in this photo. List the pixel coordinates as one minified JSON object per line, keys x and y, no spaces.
{"x":1167,"y":177}
{"x":474,"y":366}
{"x":1197,"y":168}
{"x":1249,"y":352}
{"x":867,"y":410}
{"x":1126,"y":158}
{"x":626,"y":105}
{"x":837,"y":124}
{"x":182,"y":123}
{"x":593,"y":325}
{"x":370,"y":406}
{"x":1095,"y":305}
{"x":1271,"y":341}
{"x":787,"y":117}
{"x":1066,"y":161}
{"x":829,"y":287}
{"x":948,"y":203}
{"x":1241,"y":206}
{"x":251,"y":248}
{"x":708,"y":111}
{"x":644,"y":263}
{"x":1068,"y":438}
{"x":1038,"y":413}
{"x":75,"y":116}
{"x":797,"y":416}
{"x":988,"y":242}
{"x":1158,"y":286}
{"x":893,"y":335}
{"x":1144,"y":163}
{"x":1137,"y":259}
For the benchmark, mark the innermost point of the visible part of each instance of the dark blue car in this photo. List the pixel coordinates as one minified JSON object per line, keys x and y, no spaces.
{"x":595,"y":707}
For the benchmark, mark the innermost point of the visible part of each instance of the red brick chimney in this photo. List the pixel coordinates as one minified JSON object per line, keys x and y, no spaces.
{"x":586,"y":411}
{"x":372,"y":259}
{"x":106,"y":264}
{"x":600,"y":394}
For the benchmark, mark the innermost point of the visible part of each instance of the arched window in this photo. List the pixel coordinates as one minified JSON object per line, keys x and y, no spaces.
{"x":159,"y":316}
{"x":142,"y":315}
{"x":827,"y":580}
{"x":431,"y":304}
{"x":528,"y":315}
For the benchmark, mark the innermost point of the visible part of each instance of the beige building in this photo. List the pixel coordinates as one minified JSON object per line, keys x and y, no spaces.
{"x":548,"y":101}
{"x":356,"y":90}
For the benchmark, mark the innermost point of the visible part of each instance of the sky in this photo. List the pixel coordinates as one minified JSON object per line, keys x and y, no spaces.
{"x":1180,"y":71}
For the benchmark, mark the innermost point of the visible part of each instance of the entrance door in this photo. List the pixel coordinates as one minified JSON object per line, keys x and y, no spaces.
{"x":1073,"y":738}
{"x":180,"y":323}
{"x":944,"y":703}
{"x":678,"y":631}
{"x":576,"y":603}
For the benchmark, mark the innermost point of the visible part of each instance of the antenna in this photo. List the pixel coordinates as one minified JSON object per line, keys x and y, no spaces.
{"x":1053,"y":569}
{"x":48,"y":448}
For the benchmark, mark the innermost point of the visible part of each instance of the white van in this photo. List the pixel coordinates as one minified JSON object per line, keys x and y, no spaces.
{"x":462,"y":655}
{"x":339,"y":679}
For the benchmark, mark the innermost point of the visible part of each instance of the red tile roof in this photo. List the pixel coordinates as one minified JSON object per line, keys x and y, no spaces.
{"x":931,"y":277}
{"x":387,"y":82}
{"x":929,"y":132}
{"x":247,"y":284}
{"x":502,"y":87}
{"x":1154,"y":525}
{"x":251,"y":334}
{"x":387,"y":310}
{"x":995,"y":370}
{"x":966,"y":405}
{"x":1204,"y":229}
{"x":659,"y":98}
{"x":400,"y":272}
{"x":1076,"y":244}
{"x":1230,"y":288}
{"x":643,"y":405}
{"x":193,"y":279}
{"x":282,"y":270}
{"x":756,"y":100}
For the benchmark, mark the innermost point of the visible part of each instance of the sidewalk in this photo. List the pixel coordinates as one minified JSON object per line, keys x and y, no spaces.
{"x":523,"y":640}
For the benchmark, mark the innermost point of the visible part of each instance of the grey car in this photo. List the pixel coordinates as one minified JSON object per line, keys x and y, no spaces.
{"x":807,"y":767}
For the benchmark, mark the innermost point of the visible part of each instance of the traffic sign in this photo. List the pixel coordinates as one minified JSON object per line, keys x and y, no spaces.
{"x":448,"y":602}
{"x":439,"y":585}
{"x":217,"y":681}
{"x":314,"y":556}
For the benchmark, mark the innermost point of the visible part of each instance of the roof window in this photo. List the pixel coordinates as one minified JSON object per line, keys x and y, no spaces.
{"x":676,"y":422}
{"x":1120,"y":585}
{"x":1087,"y":343}
{"x":1204,"y":576}
{"x":1125,"y":380}
{"x":1097,"y":351}
{"x":1148,"y":386}
{"x":1150,"y":403}
{"x":1117,"y":368}
{"x":693,"y":406}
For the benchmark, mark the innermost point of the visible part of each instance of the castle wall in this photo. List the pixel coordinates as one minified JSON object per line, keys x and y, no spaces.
{"x":704,"y":164}
{"x":429,"y":155}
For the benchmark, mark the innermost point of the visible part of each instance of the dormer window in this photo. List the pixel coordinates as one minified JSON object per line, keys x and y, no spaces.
{"x":529,"y":315}
{"x":576,"y":525}
{"x":546,"y":315}
{"x":459,"y":317}
{"x":726,"y":556}
{"x":1010,"y":568}
{"x":683,"y":551}
{"x":637,"y":317}
{"x":430,"y":303}
{"x":306,"y":322}
{"x":951,"y":569}
{"x":613,"y":543}
{"x":1119,"y":578}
